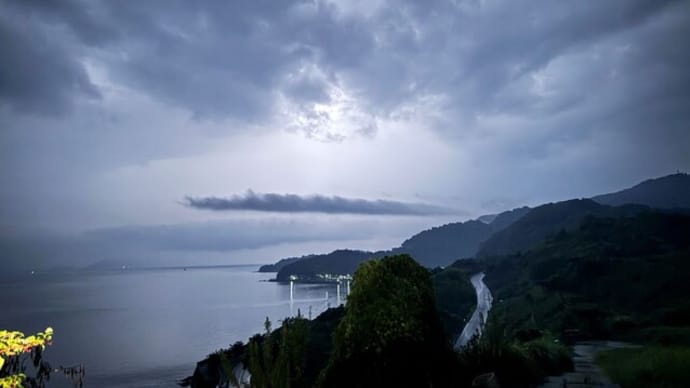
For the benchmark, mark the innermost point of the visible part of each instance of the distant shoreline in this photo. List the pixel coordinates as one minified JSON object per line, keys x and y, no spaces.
{"x":28,"y":274}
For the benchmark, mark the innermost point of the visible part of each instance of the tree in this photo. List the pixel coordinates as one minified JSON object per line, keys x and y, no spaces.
{"x":391,"y":334}
{"x":261,"y":357}
{"x":276,"y":359}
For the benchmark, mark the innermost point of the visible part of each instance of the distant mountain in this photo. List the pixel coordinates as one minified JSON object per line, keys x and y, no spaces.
{"x":339,"y":262}
{"x":487,"y":218}
{"x":507,"y":218}
{"x":546,"y":220}
{"x":435,"y":247}
{"x":668,"y":192}
{"x":512,"y":231}
{"x":276,"y":267}
{"x":442,"y":245}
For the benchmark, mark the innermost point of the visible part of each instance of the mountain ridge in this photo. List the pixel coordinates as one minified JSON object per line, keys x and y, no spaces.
{"x":666,"y":192}
{"x":521,"y":228}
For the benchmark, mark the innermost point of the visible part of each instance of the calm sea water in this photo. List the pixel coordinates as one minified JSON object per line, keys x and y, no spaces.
{"x":148,"y":328}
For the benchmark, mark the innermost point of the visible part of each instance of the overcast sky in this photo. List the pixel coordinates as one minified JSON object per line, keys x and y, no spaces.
{"x":244,"y":131}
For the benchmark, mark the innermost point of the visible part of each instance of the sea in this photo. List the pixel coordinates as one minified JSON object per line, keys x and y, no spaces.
{"x":149,"y":327}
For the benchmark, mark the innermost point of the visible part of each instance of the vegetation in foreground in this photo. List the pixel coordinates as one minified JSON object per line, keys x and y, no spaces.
{"x":15,"y":351}
{"x":512,"y":362}
{"x":562,"y":272}
{"x":22,"y":363}
{"x":648,"y":367}
{"x":390,"y":334}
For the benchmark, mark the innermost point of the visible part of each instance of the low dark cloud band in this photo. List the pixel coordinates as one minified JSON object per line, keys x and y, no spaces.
{"x":292,"y":203}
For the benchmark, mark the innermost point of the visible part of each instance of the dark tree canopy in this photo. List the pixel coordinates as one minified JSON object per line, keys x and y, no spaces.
{"x":391,"y":334}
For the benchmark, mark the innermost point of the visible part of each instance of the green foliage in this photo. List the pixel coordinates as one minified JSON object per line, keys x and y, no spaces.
{"x":609,"y":277}
{"x":15,"y":349}
{"x":276,"y":359}
{"x":660,"y":335}
{"x":455,"y":296}
{"x":514,"y":363}
{"x":291,"y":356}
{"x":646,"y":367}
{"x":390,"y":320}
{"x":387,"y":299}
{"x":339,"y":262}
{"x":550,"y":356}
{"x":228,"y":369}
{"x":547,"y":220}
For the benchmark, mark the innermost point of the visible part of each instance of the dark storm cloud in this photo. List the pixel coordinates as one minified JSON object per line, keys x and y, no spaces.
{"x":231,"y":59}
{"x":37,"y":72}
{"x":217,"y":59}
{"x":472,"y":54}
{"x":535,"y":100}
{"x":291,"y":203}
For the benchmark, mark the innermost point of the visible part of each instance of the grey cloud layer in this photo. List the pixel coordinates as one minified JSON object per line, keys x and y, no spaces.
{"x":557,"y":73}
{"x":217,"y":59}
{"x":537,"y":100}
{"x":231,"y":59}
{"x":291,"y":203}
{"x":40,"y":248}
{"x":550,"y":70}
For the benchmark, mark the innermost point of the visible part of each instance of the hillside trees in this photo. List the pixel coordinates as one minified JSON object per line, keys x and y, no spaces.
{"x":276,"y":360}
{"x":391,"y":334}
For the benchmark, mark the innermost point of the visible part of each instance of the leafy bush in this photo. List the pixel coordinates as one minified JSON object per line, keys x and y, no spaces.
{"x":519,"y":364}
{"x":660,"y":335}
{"x":15,"y":349}
{"x":549,"y":354}
{"x":653,"y":366}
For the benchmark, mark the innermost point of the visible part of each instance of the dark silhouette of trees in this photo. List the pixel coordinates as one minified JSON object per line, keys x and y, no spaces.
{"x":391,"y":334}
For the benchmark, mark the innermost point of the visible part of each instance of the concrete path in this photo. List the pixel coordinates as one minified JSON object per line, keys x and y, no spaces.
{"x":587,"y":373}
{"x":481,"y":313}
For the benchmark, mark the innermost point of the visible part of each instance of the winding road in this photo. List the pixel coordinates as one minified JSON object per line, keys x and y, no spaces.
{"x":476,"y":323}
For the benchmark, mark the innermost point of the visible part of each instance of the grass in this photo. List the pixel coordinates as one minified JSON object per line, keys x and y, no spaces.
{"x":648,"y":367}
{"x":515,"y":363}
{"x":659,"y":335}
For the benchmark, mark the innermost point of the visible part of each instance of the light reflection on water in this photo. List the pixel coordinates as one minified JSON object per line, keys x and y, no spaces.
{"x":149,"y":327}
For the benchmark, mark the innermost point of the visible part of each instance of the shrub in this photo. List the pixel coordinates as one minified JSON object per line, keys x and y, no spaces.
{"x":15,"y":349}
{"x":653,"y":366}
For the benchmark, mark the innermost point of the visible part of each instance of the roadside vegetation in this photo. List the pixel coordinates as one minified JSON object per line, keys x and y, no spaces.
{"x":611,"y":278}
{"x":646,"y":367}
{"x":390,"y":333}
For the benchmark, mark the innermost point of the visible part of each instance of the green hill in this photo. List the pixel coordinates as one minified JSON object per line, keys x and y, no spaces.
{"x":517,"y":230}
{"x":435,"y":247}
{"x":668,"y":192}
{"x":546,"y":220}
{"x":606,"y":278}
{"x":339,"y":262}
{"x":277,"y":266}
{"x":443,"y":245}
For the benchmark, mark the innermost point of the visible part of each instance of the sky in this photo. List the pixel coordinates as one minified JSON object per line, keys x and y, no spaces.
{"x":213,"y":132}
